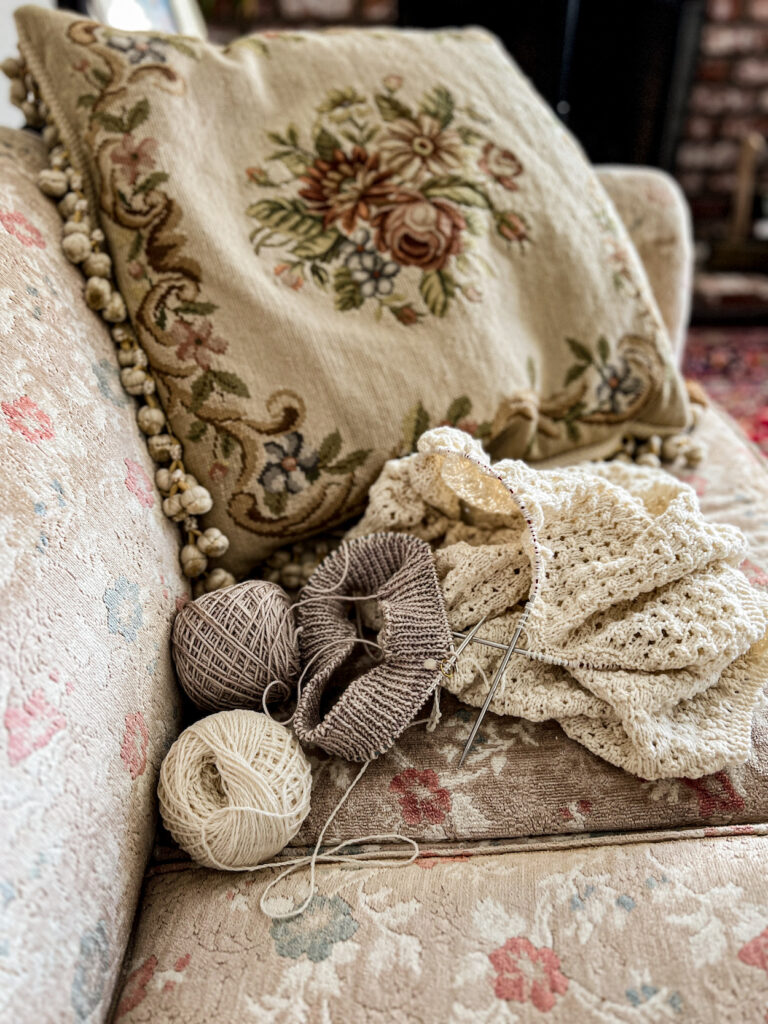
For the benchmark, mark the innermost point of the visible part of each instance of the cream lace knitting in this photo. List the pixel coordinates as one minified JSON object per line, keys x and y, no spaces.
{"x":645,"y":641}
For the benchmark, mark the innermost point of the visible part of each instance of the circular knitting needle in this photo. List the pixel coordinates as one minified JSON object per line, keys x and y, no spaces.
{"x":494,"y":686}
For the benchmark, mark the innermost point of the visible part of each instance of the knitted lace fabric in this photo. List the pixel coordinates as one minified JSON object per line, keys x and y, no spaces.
{"x":645,"y":641}
{"x":397,"y":571}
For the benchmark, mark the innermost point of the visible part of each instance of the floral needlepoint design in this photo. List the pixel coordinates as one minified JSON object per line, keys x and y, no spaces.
{"x":137,"y":49}
{"x":421,"y":796}
{"x":133,"y":752}
{"x":289,"y":467}
{"x":89,"y":982}
{"x":527,"y":974}
{"x":139,"y":484}
{"x":31,"y":726}
{"x":134,"y":158}
{"x":197,"y":341}
{"x":16,"y":224}
{"x":124,"y":615}
{"x":326,"y":921}
{"x":379,"y":187}
{"x":25,"y":417}
{"x":755,"y":952}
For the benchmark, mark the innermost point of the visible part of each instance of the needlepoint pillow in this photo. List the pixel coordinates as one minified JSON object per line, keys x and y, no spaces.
{"x":328,"y":242}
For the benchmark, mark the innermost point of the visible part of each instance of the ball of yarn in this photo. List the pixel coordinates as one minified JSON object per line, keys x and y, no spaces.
{"x":234,"y":789}
{"x":228,"y":645}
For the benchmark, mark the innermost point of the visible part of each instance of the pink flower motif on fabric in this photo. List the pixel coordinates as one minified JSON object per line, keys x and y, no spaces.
{"x":755,"y":952}
{"x":421,"y":796}
{"x":16,"y":224}
{"x":25,"y":417}
{"x":135,"y":744}
{"x":197,"y":341}
{"x":525,"y":973}
{"x":134,"y":158}
{"x":31,"y":726}
{"x":716,"y":794}
{"x":135,"y":988}
{"x":139,"y":484}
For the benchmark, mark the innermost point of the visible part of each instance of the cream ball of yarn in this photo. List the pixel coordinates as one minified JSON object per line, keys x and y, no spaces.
{"x":234,"y":789}
{"x":230,"y":644}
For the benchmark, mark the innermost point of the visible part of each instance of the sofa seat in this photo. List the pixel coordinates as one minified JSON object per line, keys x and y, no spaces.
{"x":549,"y":882}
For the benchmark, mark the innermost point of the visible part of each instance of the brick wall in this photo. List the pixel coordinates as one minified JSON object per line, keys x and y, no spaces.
{"x":729,"y":98}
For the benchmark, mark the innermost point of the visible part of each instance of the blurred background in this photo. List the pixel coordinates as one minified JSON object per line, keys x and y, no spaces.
{"x":676,"y":84}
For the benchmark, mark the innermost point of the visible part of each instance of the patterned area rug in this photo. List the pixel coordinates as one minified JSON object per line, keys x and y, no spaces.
{"x":731,"y":363}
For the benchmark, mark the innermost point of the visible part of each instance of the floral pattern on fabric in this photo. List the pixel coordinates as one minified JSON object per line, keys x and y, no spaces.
{"x":384,"y":188}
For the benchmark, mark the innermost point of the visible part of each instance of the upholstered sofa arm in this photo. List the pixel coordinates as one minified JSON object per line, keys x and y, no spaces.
{"x":656,"y":214}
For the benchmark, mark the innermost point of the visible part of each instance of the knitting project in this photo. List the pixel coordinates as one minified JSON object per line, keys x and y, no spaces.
{"x":643,"y":639}
{"x":377,"y":705}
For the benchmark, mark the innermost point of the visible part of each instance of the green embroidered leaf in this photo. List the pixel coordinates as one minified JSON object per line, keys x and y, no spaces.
{"x":603,"y":349}
{"x":437,"y":288}
{"x":580,"y":350}
{"x":137,"y":115}
{"x":135,"y":249}
{"x":458,"y":190}
{"x":319,"y":248}
{"x":348,"y":294}
{"x":287,"y":215}
{"x":391,"y":109}
{"x":161,"y":318}
{"x":151,"y":181}
{"x":197,"y":308}
{"x":329,"y":449}
{"x":439,"y":104}
{"x":350,"y":462}
{"x":414,"y":425}
{"x":572,"y":430}
{"x":295,"y":162}
{"x":101,"y":76}
{"x":197,"y":430}
{"x":277,"y":139}
{"x":201,"y":390}
{"x":275,"y":502}
{"x":230,"y":383}
{"x":86,"y":100}
{"x":178,"y":44}
{"x":110,"y":122}
{"x":228,"y":443}
{"x":326,"y":144}
{"x":469,"y":136}
{"x":458,"y":409}
{"x":319,"y":275}
{"x":293,"y":136}
{"x":575,"y":372}
{"x":530,"y":369}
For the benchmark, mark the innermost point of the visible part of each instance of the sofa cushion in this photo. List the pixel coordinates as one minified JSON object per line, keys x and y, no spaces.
{"x":393,"y":231}
{"x":666,"y":931}
{"x":526,"y":779}
{"x":88,"y":586}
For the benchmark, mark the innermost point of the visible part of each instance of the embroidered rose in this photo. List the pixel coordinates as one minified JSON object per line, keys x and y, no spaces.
{"x":289,"y":467}
{"x":420,"y":232}
{"x":16,"y":224}
{"x":134,"y":158}
{"x":326,"y":921}
{"x":31,"y":726}
{"x":421,"y":146}
{"x":197,"y":341}
{"x":421,"y":796}
{"x":26,"y":418}
{"x":133,"y":751}
{"x":345,"y":188}
{"x":139,"y":484}
{"x":500,"y":164}
{"x":527,"y":974}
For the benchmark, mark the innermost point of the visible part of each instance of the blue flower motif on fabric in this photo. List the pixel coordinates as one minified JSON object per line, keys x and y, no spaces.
{"x":108,"y":380}
{"x":124,"y":615}
{"x":89,"y":982}
{"x":326,"y":921}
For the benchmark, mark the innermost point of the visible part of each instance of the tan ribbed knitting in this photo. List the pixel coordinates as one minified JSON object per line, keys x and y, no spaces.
{"x":651,"y":643}
{"x":397,"y":571}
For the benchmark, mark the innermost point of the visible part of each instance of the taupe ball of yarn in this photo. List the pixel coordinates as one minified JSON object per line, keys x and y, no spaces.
{"x":230,"y":644}
{"x":234,"y":789}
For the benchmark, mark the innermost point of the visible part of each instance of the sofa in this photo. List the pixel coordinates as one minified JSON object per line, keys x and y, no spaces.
{"x":549,"y":884}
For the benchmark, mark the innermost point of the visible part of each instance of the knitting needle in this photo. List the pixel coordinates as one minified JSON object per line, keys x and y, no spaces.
{"x":494,"y":685}
{"x":484,"y":643}
{"x":465,"y":640}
